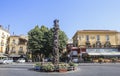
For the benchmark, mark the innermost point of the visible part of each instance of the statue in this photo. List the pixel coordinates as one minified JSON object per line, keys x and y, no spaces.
{"x":55,"y":43}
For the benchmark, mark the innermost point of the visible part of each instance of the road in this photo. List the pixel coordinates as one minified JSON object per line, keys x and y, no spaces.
{"x":83,"y":70}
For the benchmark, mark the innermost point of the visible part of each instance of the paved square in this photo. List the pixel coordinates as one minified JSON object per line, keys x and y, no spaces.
{"x":85,"y":69}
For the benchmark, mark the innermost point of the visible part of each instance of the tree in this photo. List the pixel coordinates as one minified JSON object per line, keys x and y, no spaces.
{"x":62,"y":41}
{"x":49,"y":45}
{"x":40,"y":41}
{"x":35,"y":42}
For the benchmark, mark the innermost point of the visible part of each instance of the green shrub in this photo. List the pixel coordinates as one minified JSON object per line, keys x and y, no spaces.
{"x":63,"y":66}
{"x":73,"y":64}
{"x":48,"y":67}
{"x":37,"y":64}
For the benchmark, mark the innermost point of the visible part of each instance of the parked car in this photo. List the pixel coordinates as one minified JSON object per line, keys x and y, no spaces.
{"x":1,"y":61}
{"x":75,"y":60}
{"x":7,"y":60}
{"x":21,"y":60}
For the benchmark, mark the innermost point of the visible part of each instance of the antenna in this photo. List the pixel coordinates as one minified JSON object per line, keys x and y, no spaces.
{"x":8,"y":27}
{"x":13,"y":33}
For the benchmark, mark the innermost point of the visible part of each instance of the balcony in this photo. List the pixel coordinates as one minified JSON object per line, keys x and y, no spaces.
{"x":88,"y":44}
{"x":20,"y":52}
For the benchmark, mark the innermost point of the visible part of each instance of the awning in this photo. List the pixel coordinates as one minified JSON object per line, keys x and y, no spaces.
{"x":14,"y":55}
{"x":94,"y":54}
{"x":2,"y":55}
{"x":111,"y":52}
{"x":103,"y":53}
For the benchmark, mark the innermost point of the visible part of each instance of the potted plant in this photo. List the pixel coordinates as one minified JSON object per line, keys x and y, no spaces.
{"x":100,"y":60}
{"x":49,"y":67}
{"x":63,"y":67}
{"x":37,"y":66}
{"x":72,"y":66}
{"x":114,"y":60}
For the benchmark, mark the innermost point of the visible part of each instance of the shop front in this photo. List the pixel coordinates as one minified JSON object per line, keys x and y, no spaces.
{"x":104,"y":54}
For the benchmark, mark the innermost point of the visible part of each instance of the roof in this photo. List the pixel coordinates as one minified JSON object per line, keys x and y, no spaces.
{"x":6,"y":30}
{"x":94,"y":31}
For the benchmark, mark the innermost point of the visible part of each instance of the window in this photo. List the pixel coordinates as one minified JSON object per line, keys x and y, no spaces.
{"x":3,"y":35}
{"x":107,"y":37}
{"x":79,"y":37}
{"x":13,"y":41}
{"x":21,"y":49}
{"x":87,"y":37}
{"x":74,"y":52}
{"x":98,"y":37}
{"x":2,"y":43}
{"x":13,"y":50}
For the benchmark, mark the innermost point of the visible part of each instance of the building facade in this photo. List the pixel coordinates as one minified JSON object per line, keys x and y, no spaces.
{"x":4,"y":34}
{"x":17,"y":45}
{"x":94,"y":44}
{"x":96,"y":38}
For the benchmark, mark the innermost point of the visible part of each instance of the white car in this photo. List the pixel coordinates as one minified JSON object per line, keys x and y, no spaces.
{"x":1,"y":61}
{"x":75,"y":60}
{"x":7,"y":60}
{"x":21,"y":60}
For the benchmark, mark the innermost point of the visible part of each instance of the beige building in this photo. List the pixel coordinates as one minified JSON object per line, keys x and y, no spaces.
{"x":4,"y":34}
{"x":96,"y":38}
{"x":17,"y":45}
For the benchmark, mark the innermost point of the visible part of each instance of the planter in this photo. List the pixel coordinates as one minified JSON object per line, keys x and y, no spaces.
{"x":37,"y":68}
{"x":74,"y":68}
{"x":71,"y":68}
{"x":62,"y":70}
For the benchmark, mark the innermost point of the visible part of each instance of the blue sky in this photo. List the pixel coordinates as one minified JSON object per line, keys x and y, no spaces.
{"x":23,"y":15}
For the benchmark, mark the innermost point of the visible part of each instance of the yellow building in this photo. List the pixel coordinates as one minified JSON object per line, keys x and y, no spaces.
{"x":96,"y":38}
{"x":4,"y":34}
{"x":17,"y":45}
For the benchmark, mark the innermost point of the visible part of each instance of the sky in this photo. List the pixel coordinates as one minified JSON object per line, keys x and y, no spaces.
{"x":73,"y":15}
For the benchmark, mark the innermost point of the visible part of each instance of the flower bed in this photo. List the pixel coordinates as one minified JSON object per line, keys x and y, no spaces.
{"x":49,"y":67}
